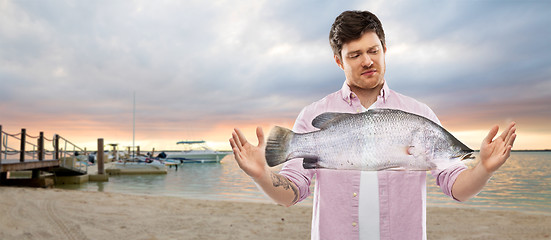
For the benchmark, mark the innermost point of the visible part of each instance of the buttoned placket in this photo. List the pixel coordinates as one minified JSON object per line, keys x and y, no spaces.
{"x":354,"y":195}
{"x":356,"y":106}
{"x":354,"y":101}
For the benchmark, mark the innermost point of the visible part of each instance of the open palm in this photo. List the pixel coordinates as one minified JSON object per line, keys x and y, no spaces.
{"x":250,"y":158}
{"x":494,"y":152}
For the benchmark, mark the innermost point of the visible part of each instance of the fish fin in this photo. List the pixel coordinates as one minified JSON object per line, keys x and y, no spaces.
{"x":395,"y":169}
{"x":467,"y":156}
{"x":310,"y":163}
{"x":382,"y":110}
{"x":461,"y":145}
{"x":455,"y":141}
{"x":325,"y":119}
{"x":277,"y":145}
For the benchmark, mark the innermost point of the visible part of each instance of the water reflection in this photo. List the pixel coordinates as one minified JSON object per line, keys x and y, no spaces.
{"x":523,"y":183}
{"x":217,"y":181}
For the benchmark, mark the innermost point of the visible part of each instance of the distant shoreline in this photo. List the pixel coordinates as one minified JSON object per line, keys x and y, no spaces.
{"x":527,"y":150}
{"x":477,"y":150}
{"x":543,"y":150}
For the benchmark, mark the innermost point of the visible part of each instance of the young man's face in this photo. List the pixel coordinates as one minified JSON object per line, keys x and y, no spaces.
{"x":363,"y":62}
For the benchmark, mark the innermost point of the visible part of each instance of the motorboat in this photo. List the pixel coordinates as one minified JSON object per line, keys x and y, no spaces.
{"x":137,"y":165}
{"x":196,"y":152}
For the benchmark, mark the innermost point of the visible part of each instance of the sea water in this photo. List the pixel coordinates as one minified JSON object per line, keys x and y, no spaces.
{"x":523,"y":183}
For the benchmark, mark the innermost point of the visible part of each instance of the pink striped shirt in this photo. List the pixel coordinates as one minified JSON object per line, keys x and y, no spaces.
{"x":363,"y":204}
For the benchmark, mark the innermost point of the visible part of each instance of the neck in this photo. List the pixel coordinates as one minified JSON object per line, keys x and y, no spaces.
{"x":367,"y":96}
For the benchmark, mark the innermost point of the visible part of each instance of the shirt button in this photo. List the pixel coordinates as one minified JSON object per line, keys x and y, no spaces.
{"x":354,"y":224}
{"x":358,"y":110}
{"x":354,"y":194}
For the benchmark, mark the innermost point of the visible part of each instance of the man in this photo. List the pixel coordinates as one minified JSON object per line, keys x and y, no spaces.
{"x":364,"y":204}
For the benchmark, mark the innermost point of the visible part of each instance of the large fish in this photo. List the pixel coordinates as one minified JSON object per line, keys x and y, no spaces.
{"x":374,"y":140}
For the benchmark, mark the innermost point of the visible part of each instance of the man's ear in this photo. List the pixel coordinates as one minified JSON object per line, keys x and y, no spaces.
{"x":338,"y":61}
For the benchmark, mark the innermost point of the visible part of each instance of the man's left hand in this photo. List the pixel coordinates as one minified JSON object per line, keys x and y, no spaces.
{"x":494,"y":152}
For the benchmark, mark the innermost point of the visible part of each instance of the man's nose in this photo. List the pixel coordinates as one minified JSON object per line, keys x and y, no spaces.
{"x":366,"y":61}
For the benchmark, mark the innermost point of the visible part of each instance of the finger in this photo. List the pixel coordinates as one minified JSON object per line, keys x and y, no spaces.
{"x":507,"y":153}
{"x":510,"y":134}
{"x":491,"y":135}
{"x":507,"y":132}
{"x":260,"y":136}
{"x":232,"y":144}
{"x":242,"y":138}
{"x":512,"y":140}
{"x":235,"y":150}
{"x":237,"y":141}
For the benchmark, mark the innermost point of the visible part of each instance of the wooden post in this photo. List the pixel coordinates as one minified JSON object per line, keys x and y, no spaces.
{"x":56,"y":149}
{"x":153,"y":153}
{"x":100,"y":156}
{"x":23,"y":141}
{"x":138,"y":151}
{"x":41,"y":147}
{"x":1,"y":143}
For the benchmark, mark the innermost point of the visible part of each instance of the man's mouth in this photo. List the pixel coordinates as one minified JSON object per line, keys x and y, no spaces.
{"x":369,"y":72}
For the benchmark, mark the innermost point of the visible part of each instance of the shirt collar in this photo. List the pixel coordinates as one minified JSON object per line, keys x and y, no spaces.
{"x":347,"y":94}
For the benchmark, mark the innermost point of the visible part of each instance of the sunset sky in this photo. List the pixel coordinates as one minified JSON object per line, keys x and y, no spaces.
{"x":200,"y":68}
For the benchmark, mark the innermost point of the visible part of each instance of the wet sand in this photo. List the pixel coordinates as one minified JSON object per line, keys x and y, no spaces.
{"x":64,"y":214}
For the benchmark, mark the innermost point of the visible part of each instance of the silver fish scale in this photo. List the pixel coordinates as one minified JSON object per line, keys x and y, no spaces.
{"x":374,"y":141}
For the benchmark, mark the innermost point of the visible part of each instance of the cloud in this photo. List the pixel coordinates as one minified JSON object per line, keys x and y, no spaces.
{"x":195,"y":64}
{"x":467,"y":57}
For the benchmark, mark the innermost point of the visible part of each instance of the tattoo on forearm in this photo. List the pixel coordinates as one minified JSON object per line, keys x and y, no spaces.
{"x":281,"y":181}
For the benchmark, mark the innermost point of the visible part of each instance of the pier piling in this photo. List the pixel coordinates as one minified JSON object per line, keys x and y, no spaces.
{"x":23,"y":141}
{"x":56,"y":143}
{"x":41,"y":147}
{"x":1,"y":143}
{"x":100,"y":156}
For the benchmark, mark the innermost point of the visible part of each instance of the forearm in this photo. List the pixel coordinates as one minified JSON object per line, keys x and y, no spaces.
{"x":470,"y":182}
{"x":279,"y":188}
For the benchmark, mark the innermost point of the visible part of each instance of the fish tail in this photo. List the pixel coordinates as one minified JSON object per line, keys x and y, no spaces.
{"x":277,"y":146}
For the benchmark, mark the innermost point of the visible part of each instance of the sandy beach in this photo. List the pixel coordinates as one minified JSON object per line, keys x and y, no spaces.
{"x":67,"y":214}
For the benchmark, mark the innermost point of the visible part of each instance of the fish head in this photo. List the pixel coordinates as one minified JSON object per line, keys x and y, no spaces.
{"x":444,"y":149}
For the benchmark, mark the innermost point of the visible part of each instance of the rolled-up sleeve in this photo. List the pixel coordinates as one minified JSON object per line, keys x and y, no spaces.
{"x":446,"y":178}
{"x":293,"y":169}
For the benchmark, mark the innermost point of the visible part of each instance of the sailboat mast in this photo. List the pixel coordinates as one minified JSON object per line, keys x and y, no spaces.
{"x":134,"y":126}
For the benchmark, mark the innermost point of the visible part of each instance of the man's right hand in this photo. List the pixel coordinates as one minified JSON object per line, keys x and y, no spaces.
{"x":251,"y":159}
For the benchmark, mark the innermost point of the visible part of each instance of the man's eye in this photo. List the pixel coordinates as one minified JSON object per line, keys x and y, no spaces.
{"x":354,"y":56}
{"x":374,"y":52}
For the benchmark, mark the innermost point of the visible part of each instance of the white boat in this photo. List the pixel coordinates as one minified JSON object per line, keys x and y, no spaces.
{"x":140,"y":165}
{"x":196,"y":152}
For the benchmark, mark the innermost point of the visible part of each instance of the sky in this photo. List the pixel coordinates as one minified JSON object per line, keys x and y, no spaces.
{"x":200,"y":68}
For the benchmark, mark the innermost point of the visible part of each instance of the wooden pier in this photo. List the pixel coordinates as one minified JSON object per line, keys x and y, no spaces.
{"x":35,"y":156}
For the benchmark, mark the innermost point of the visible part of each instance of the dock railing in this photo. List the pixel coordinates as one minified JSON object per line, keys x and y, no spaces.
{"x":68,"y":156}
{"x":26,"y":148}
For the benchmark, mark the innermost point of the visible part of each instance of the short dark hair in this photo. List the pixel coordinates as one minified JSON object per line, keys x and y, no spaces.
{"x":351,"y":25}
